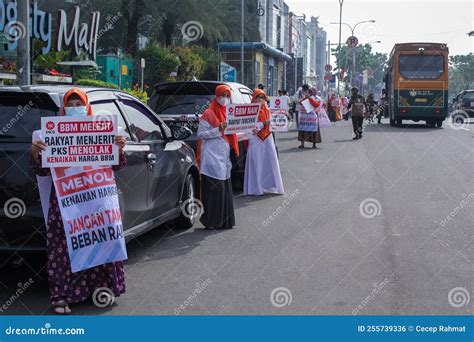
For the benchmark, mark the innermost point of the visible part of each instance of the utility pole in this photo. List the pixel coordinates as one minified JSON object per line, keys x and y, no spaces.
{"x":242,"y":31}
{"x":23,"y":48}
{"x":341,"y":2}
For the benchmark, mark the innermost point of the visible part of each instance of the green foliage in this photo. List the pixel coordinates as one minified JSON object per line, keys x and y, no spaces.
{"x":137,"y":92}
{"x":210,"y":59}
{"x":49,"y":61}
{"x":160,"y":62}
{"x":365,"y":59}
{"x":191,"y":64}
{"x":461,"y":73}
{"x":95,"y":83}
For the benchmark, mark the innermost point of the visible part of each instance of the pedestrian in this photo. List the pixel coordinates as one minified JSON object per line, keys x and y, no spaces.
{"x":344,"y":110}
{"x":334,"y":110}
{"x":382,"y":106}
{"x":66,"y":287}
{"x":296,"y":99}
{"x":356,"y":105}
{"x":371,"y":103}
{"x":262,"y":170}
{"x":214,"y":160}
{"x":315,"y":101}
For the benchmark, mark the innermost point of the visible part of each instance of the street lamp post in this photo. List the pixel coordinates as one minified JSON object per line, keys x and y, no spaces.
{"x":23,"y":48}
{"x":242,"y":32}
{"x":341,"y":2}
{"x":352,"y":28}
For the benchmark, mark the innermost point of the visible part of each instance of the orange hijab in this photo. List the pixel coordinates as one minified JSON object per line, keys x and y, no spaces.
{"x":215,"y":115}
{"x":82,"y":95}
{"x":264,"y":114}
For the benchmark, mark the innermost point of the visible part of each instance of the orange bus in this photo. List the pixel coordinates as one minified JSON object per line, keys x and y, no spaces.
{"x":416,"y":81}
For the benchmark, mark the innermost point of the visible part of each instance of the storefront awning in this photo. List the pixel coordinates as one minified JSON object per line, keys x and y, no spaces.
{"x":255,"y":46}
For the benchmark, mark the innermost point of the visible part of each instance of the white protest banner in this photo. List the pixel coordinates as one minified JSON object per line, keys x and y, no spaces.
{"x":88,"y":201}
{"x":278,"y":113}
{"x":79,"y":141}
{"x":308,"y":122}
{"x":279,"y":122}
{"x":307,"y":105}
{"x":279,"y":104}
{"x":241,"y":117}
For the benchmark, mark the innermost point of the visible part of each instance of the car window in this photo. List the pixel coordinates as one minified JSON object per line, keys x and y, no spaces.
{"x":110,"y":108}
{"x":20,"y":115}
{"x":469,"y":96}
{"x":145,"y":125}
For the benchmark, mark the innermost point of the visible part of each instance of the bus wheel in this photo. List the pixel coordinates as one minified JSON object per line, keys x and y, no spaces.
{"x":439,"y":123}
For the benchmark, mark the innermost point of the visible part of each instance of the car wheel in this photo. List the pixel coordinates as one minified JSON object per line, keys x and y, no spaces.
{"x":431,"y":123}
{"x":392,"y":122}
{"x":439,"y":123}
{"x":458,"y":119}
{"x":191,"y":207}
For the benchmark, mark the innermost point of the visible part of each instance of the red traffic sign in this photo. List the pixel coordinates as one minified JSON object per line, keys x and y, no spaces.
{"x":352,"y":41}
{"x":328,"y":67}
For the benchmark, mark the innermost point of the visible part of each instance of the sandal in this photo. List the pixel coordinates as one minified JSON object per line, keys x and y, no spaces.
{"x":61,"y":308}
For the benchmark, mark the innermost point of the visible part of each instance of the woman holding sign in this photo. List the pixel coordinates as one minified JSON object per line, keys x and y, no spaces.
{"x":262,"y":171}
{"x":65,"y":286}
{"x":308,"y":129}
{"x":213,"y":156}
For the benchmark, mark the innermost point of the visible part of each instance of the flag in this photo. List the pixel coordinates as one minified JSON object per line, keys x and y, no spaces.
{"x":343,"y":73}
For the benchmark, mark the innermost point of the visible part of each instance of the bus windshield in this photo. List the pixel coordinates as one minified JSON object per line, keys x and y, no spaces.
{"x":421,"y":66}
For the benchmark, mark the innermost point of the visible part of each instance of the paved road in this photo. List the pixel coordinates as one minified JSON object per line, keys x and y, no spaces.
{"x":363,"y":230}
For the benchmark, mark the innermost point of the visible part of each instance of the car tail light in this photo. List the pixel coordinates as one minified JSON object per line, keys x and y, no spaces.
{"x":437,"y":111}
{"x":404,"y":110}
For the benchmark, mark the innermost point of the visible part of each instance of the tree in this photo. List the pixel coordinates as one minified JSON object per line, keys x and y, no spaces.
{"x":160,"y":63}
{"x":365,"y":59}
{"x":461,"y":73}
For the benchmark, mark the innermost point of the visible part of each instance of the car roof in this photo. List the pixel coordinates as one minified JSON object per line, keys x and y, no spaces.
{"x":60,"y":89}
{"x":204,"y":87}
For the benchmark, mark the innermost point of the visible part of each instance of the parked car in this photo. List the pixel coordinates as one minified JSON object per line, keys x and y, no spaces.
{"x":160,"y":174}
{"x":464,"y":101}
{"x":182,"y":103}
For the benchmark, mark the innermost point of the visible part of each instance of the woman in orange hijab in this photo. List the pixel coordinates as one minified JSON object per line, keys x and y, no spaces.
{"x":214,"y":160}
{"x":262,"y":170}
{"x":66,"y":287}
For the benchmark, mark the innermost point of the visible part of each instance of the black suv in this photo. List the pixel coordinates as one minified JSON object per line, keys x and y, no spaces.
{"x":160,"y":174}
{"x":464,"y":101}
{"x":182,"y":103}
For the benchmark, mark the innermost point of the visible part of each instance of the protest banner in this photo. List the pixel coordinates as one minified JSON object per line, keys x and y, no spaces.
{"x":308,"y":122}
{"x":279,"y":104}
{"x":79,"y":141}
{"x":307,"y":105}
{"x":241,"y":117}
{"x":89,"y":205}
{"x":279,"y":113}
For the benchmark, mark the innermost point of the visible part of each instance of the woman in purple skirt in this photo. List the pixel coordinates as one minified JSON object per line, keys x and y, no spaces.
{"x":65,"y":286}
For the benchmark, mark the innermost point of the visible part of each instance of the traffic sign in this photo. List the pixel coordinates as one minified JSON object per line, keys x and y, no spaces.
{"x":352,"y":41}
{"x":328,"y":67}
{"x":228,"y":73}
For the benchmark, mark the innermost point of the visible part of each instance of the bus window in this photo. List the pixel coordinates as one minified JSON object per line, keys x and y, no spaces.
{"x":421,"y":66}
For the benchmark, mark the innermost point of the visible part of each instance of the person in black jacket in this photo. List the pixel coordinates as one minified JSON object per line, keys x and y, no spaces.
{"x":357,"y":105}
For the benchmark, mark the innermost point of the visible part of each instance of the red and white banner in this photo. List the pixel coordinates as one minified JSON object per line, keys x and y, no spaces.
{"x":279,"y":107}
{"x":79,"y":141}
{"x":241,"y":117}
{"x":89,"y":205}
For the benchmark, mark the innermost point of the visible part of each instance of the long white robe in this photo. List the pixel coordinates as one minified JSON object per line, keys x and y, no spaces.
{"x":262,"y":170}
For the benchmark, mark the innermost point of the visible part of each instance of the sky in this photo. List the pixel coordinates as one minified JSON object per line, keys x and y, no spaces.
{"x":396,"y":21}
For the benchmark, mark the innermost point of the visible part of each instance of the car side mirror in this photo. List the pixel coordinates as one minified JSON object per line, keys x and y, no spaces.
{"x":180,"y":132}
